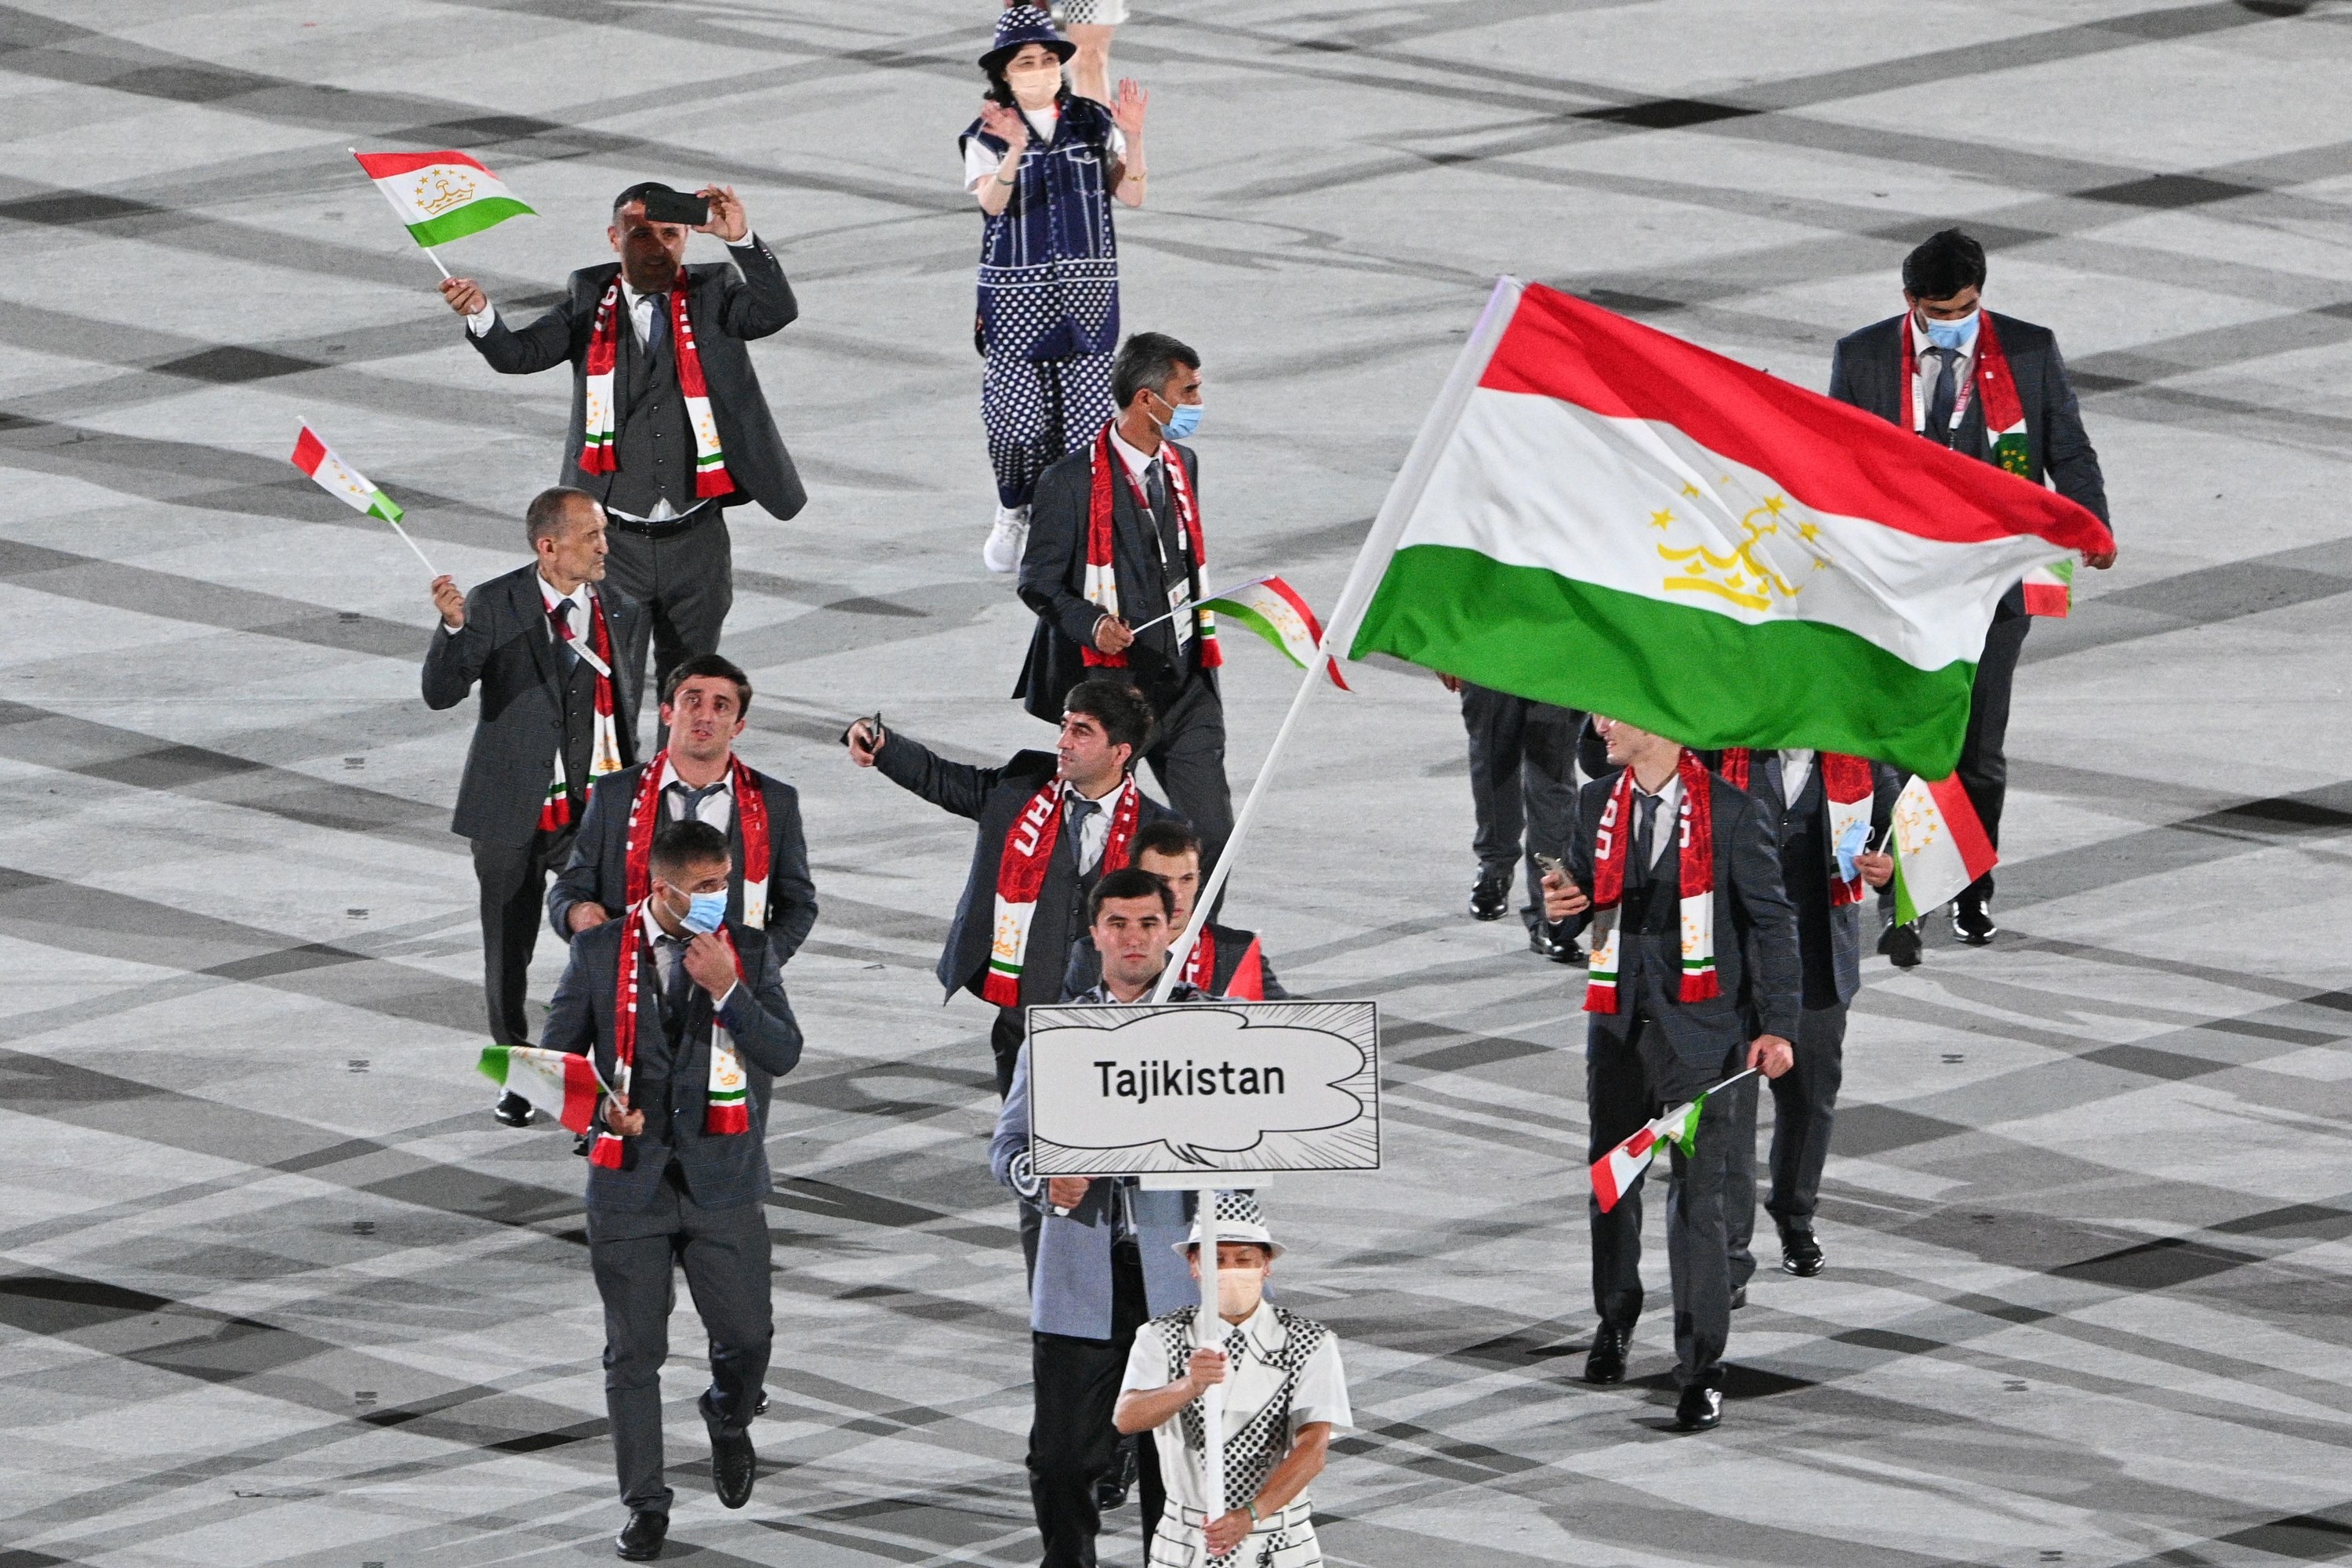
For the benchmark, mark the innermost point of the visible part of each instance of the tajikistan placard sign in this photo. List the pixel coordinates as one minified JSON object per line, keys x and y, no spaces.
{"x":1205,"y":1086}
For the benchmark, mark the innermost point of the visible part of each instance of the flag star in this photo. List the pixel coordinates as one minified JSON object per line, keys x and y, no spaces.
{"x":1806,"y":530}
{"x":1691,"y":490}
{"x":1776,"y":505}
{"x":1659,"y":519}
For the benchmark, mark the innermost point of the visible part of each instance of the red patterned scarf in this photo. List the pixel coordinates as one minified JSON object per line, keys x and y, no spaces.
{"x":1021,"y":878}
{"x":750,"y":813}
{"x":1248,"y":983}
{"x":728,"y":1090}
{"x":1612,"y":847}
{"x":597,"y":453}
{"x":604,"y":745}
{"x":1846,"y":781}
{"x":1102,"y":577}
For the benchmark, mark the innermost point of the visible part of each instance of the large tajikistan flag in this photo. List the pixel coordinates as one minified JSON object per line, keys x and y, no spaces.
{"x":1603,"y":516}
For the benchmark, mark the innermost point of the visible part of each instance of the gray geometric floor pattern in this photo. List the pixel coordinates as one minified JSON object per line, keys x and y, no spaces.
{"x":274,"y":1289}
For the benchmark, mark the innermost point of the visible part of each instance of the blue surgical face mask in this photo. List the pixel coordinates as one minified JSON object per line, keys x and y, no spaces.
{"x":1951,"y":334}
{"x":704,"y":912}
{"x":1185,"y":420}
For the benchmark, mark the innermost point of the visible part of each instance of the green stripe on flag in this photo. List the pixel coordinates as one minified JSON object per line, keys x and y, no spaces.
{"x":1905,"y":911}
{"x":471,"y":218}
{"x":383,"y":506}
{"x":1698,"y":677}
{"x":1255,"y":622}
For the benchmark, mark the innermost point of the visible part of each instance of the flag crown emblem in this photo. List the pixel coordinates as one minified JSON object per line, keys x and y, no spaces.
{"x":441,"y":188}
{"x":1916,"y":825}
{"x":1740,"y":574}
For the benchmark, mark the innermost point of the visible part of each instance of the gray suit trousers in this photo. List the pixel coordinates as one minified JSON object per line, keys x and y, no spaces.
{"x":635,"y":1257}
{"x":686,"y":584}
{"x":1804,"y":1109}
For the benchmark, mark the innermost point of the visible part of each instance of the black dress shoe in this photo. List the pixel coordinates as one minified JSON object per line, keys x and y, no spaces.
{"x":512,"y":1109}
{"x":1111,"y":1488}
{"x":1739,"y":1297}
{"x":1605,"y":1361}
{"x":641,"y":1539}
{"x":1700,"y":1409}
{"x":1900,"y":943}
{"x":1972,"y":920}
{"x":1490,"y":899}
{"x":733,"y":1466}
{"x":1800,"y":1255}
{"x":1564,"y":948}
{"x":763,"y":1404}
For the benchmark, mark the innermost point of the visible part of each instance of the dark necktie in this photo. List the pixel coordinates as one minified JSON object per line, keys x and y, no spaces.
{"x":659,"y":324}
{"x":689,"y":801}
{"x":1155,"y":485}
{"x":674,"y":990}
{"x":1939,"y":402}
{"x":1645,"y":822}
{"x":560,"y":613}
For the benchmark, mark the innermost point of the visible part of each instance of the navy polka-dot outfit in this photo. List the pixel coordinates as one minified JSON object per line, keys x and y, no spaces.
{"x":1048,"y":301}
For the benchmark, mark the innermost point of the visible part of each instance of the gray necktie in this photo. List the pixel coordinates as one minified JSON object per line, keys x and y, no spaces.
{"x":1947,"y":393}
{"x":674,"y":989}
{"x":689,"y":801}
{"x":1155,"y":485}
{"x":1080,"y":809}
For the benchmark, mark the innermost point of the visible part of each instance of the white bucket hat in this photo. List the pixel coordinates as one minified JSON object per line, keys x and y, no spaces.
{"x":1238,"y":1219}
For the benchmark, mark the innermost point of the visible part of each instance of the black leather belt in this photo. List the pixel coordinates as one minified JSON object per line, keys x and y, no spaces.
{"x":670,"y":529}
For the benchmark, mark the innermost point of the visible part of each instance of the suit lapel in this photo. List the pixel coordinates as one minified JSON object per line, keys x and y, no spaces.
{"x":530,"y":613}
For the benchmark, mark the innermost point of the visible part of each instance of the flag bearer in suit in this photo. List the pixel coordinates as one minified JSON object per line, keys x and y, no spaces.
{"x":1994,"y":388}
{"x":1694,"y":975}
{"x":697,"y":775}
{"x":1115,"y":543}
{"x":684,"y":1012}
{"x":559,"y":710}
{"x":1051,"y":824}
{"x":1825,"y":810}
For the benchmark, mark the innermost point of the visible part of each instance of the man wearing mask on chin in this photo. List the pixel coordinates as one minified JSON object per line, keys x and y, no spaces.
{"x":1113,"y":570}
{"x":1285,"y":1394}
{"x":682,"y":1012}
{"x":1991,"y":387}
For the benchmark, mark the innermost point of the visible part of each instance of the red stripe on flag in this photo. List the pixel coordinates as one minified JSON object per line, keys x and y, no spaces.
{"x":579,"y":1095}
{"x":1292,"y":598}
{"x":308,"y":452}
{"x":2046,"y":599}
{"x":1967,"y":829}
{"x":1829,"y":455}
{"x":384,"y":166}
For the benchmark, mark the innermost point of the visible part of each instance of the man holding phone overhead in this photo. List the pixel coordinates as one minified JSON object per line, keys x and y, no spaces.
{"x":668,"y":425}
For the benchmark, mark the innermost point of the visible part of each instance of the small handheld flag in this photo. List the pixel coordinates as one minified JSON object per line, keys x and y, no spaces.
{"x":1940,"y":846}
{"x":441,"y":196}
{"x":1614,"y":1172}
{"x":563,"y":1085}
{"x":347,"y":484}
{"x":1279,"y":612}
{"x":2050,"y":590}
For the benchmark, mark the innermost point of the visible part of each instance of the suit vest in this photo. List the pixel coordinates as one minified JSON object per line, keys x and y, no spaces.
{"x":653,"y":445}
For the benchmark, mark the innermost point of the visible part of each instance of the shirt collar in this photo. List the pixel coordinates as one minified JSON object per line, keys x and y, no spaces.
{"x":670,"y":777}
{"x":579,"y":596}
{"x":1072,"y":792}
{"x":1132,"y":456}
{"x":654,"y":931}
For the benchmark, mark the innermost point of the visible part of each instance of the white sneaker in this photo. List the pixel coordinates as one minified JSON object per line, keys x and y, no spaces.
{"x":1007,"y":540}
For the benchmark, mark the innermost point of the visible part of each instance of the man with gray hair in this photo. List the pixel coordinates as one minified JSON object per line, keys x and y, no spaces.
{"x":559,"y":711}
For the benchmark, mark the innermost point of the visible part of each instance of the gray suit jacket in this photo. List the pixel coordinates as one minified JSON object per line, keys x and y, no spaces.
{"x":728,"y":312}
{"x":723,"y":1171}
{"x":1070,"y":1291}
{"x":507,"y":647}
{"x":1053,"y":586}
{"x":1866,"y":370}
{"x":1756,"y":960}
{"x":1829,"y":939}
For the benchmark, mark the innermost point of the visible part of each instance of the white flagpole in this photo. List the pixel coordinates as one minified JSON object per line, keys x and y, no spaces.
{"x":1211,"y":1327}
{"x":403,"y":224}
{"x":1372,"y":561}
{"x":430,"y":572}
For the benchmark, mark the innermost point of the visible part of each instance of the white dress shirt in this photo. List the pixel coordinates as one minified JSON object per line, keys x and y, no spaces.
{"x":717,"y":809}
{"x":1796,"y":766}
{"x":580,"y":610}
{"x":1662,"y":830}
{"x":1930,"y":365}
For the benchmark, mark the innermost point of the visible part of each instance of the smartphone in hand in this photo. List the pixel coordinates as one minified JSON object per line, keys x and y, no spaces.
{"x":677,"y":207}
